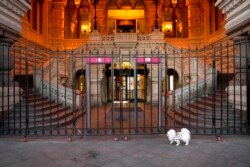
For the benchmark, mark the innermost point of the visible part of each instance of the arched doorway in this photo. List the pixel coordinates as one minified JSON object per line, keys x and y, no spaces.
{"x":173,"y":79}
{"x":80,"y":80}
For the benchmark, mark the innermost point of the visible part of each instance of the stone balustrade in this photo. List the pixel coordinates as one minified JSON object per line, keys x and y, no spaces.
{"x":62,"y":94}
{"x":125,"y":37}
{"x":188,"y":93}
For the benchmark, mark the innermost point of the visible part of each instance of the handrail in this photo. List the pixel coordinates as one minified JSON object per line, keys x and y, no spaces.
{"x":188,"y":93}
{"x":62,"y":94}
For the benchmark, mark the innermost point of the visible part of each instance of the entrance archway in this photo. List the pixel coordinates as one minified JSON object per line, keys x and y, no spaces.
{"x":123,"y":82}
{"x":173,"y":79}
{"x":80,"y":80}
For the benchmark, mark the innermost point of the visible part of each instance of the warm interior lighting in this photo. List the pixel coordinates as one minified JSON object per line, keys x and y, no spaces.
{"x":128,"y":14}
{"x":180,"y":26}
{"x":77,"y":2}
{"x":84,"y":28}
{"x":126,"y":23}
{"x":174,"y":2}
{"x":126,"y":65}
{"x":171,"y":82}
{"x":167,"y":26}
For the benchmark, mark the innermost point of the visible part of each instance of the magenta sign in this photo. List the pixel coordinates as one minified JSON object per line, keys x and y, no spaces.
{"x":148,"y":60}
{"x":99,"y":60}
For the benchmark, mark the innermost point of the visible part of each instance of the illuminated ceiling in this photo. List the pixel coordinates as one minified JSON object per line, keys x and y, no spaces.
{"x":126,"y":14}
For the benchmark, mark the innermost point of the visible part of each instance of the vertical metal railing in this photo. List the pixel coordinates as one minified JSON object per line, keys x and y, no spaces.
{"x":248,"y":85}
{"x":206,"y":109}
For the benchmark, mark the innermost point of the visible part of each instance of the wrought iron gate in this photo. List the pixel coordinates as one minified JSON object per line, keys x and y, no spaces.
{"x":70,"y":93}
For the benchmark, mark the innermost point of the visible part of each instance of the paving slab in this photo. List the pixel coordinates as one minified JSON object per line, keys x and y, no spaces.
{"x":141,"y":150}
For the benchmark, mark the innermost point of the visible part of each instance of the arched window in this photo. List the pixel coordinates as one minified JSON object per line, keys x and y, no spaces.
{"x":34,"y":15}
{"x":77,"y":24}
{"x":217,"y":19}
{"x":71,"y":20}
{"x":83,"y":19}
{"x":175,"y":19}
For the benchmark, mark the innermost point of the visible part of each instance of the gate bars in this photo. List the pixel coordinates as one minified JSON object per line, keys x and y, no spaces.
{"x":45,"y":92}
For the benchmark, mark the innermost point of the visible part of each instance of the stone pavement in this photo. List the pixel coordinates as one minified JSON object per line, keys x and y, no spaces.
{"x":138,"y":151}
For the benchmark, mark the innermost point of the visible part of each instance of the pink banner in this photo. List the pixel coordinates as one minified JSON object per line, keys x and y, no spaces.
{"x":99,"y":60}
{"x":148,"y":60}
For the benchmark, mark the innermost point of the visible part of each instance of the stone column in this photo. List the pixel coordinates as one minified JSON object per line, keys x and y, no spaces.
{"x":9,"y":94}
{"x":6,"y":62}
{"x":101,"y":17}
{"x":57,"y":25}
{"x":194,"y":19}
{"x":154,"y":85}
{"x":45,"y":14}
{"x":212,"y":23}
{"x":206,"y":20}
{"x":149,"y":10}
{"x":96,"y":76}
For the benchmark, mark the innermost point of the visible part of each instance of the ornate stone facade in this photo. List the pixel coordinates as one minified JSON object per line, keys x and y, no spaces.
{"x":11,"y":13}
{"x":237,"y":16}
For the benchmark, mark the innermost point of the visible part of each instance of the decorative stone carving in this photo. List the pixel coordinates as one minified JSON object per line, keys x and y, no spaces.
{"x":10,"y":16}
{"x":237,"y":16}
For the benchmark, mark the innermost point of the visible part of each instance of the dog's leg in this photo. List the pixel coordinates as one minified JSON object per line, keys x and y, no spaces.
{"x":171,"y":141}
{"x":177,"y":142}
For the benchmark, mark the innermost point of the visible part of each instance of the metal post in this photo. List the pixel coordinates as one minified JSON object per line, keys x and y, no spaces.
{"x":113,"y":87}
{"x":26,"y":94}
{"x":87,"y":97}
{"x":213,"y":90}
{"x":248,"y":93}
{"x":160,"y":95}
{"x":248,"y":86}
{"x":135,"y":96}
{"x":73,"y":90}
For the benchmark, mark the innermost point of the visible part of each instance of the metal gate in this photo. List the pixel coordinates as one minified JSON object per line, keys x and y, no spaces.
{"x":45,"y":92}
{"x":121,"y":98}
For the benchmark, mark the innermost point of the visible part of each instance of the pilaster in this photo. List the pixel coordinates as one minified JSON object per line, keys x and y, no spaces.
{"x":11,"y":13}
{"x":57,"y":25}
{"x":194,"y":19}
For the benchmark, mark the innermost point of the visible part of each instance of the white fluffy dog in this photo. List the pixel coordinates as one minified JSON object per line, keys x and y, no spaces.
{"x":184,"y":135}
{"x":171,"y":135}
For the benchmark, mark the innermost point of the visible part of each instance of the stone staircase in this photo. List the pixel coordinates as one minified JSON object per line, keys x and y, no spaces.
{"x":39,"y":114}
{"x":211,"y":113}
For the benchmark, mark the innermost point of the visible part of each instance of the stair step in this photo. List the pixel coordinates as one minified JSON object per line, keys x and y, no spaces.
{"x":216,"y":98}
{"x":209,"y":112}
{"x":218,"y":94}
{"x":28,"y":96}
{"x":57,"y":121}
{"x":41,"y":113}
{"x":34,"y":104}
{"x":204,"y":116}
{"x":205,"y":107}
{"x":35,"y":99}
{"x":38,"y":108}
{"x":208,"y":123}
{"x":213,"y":103}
